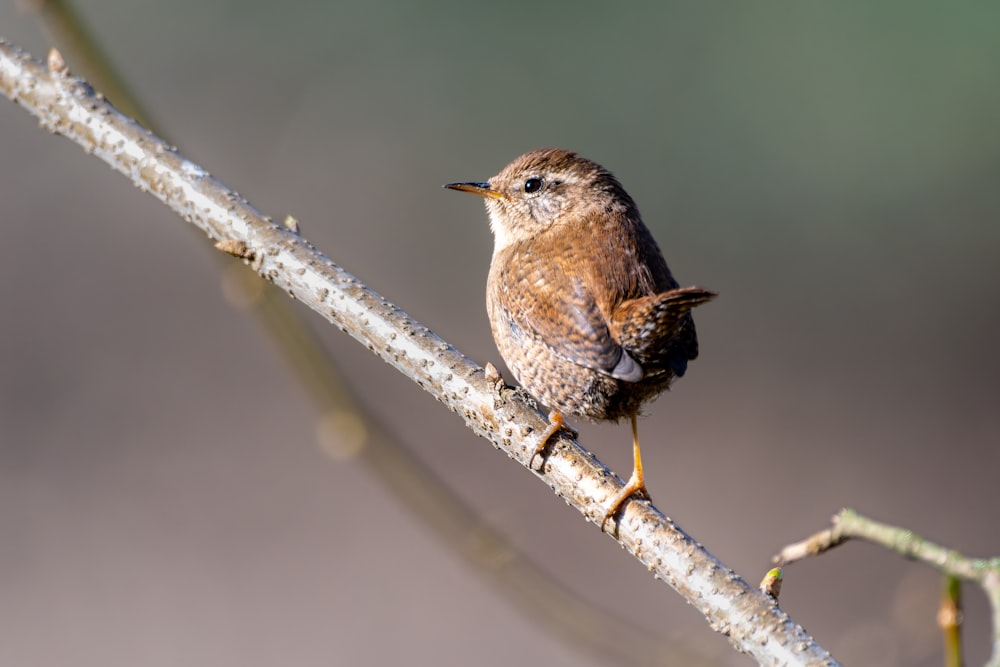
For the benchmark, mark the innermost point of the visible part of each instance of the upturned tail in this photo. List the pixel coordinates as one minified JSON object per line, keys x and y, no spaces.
{"x":658,"y":332}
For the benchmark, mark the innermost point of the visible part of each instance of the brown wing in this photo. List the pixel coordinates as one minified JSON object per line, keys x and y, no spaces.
{"x":546,"y":298}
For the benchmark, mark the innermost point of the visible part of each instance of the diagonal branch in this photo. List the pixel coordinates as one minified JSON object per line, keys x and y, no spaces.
{"x":506,"y":417}
{"x":556,"y":608}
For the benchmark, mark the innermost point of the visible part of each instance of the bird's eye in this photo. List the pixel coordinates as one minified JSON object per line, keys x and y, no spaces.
{"x":533,"y":185}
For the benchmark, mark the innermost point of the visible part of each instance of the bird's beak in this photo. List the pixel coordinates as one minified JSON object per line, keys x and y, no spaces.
{"x":481,"y":189}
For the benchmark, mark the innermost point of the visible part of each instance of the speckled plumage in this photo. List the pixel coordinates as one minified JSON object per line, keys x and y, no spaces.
{"x":582,"y":305}
{"x":578,"y":288}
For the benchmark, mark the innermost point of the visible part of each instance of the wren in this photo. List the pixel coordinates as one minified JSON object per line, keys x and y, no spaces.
{"x":583,"y":308}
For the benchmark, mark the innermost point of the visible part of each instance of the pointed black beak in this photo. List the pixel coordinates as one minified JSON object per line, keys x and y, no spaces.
{"x":481,"y":189}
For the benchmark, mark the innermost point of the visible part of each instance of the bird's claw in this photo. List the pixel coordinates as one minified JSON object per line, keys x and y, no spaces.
{"x":556,"y":423}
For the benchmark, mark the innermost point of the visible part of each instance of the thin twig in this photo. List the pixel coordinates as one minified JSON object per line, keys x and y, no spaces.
{"x":508,"y":418}
{"x":949,"y":619}
{"x":848,"y":525}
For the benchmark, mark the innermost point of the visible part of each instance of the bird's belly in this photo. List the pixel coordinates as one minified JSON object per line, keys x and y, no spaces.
{"x":568,"y":387}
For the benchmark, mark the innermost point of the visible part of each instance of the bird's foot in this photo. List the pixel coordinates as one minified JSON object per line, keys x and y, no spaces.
{"x":635,"y":487}
{"x":556,"y":424}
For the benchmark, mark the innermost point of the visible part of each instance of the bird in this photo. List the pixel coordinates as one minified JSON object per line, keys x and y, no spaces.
{"x":582,"y":306}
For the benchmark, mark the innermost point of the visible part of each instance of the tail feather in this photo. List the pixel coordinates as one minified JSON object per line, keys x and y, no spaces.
{"x":658,"y":330}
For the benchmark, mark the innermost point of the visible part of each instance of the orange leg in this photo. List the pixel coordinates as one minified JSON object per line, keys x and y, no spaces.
{"x":635,"y":484}
{"x":556,"y":424}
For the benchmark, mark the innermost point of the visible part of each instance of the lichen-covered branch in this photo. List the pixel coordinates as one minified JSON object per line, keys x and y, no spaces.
{"x":506,"y":417}
{"x":848,"y":525}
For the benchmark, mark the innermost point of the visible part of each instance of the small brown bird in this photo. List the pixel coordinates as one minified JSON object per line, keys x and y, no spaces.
{"x":582,"y":305}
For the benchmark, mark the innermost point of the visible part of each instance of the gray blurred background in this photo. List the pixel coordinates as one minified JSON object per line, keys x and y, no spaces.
{"x":831,"y":169}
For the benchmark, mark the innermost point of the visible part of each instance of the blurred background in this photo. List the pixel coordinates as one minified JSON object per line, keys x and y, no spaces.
{"x":831,"y":169}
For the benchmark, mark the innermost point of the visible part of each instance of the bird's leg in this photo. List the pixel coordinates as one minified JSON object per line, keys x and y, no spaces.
{"x":556,"y":424}
{"x":635,"y":484}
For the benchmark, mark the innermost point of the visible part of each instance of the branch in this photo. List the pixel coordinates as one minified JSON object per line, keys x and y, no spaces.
{"x":506,"y":417}
{"x":848,"y":525}
{"x":347,"y":429}
{"x":949,"y":618}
